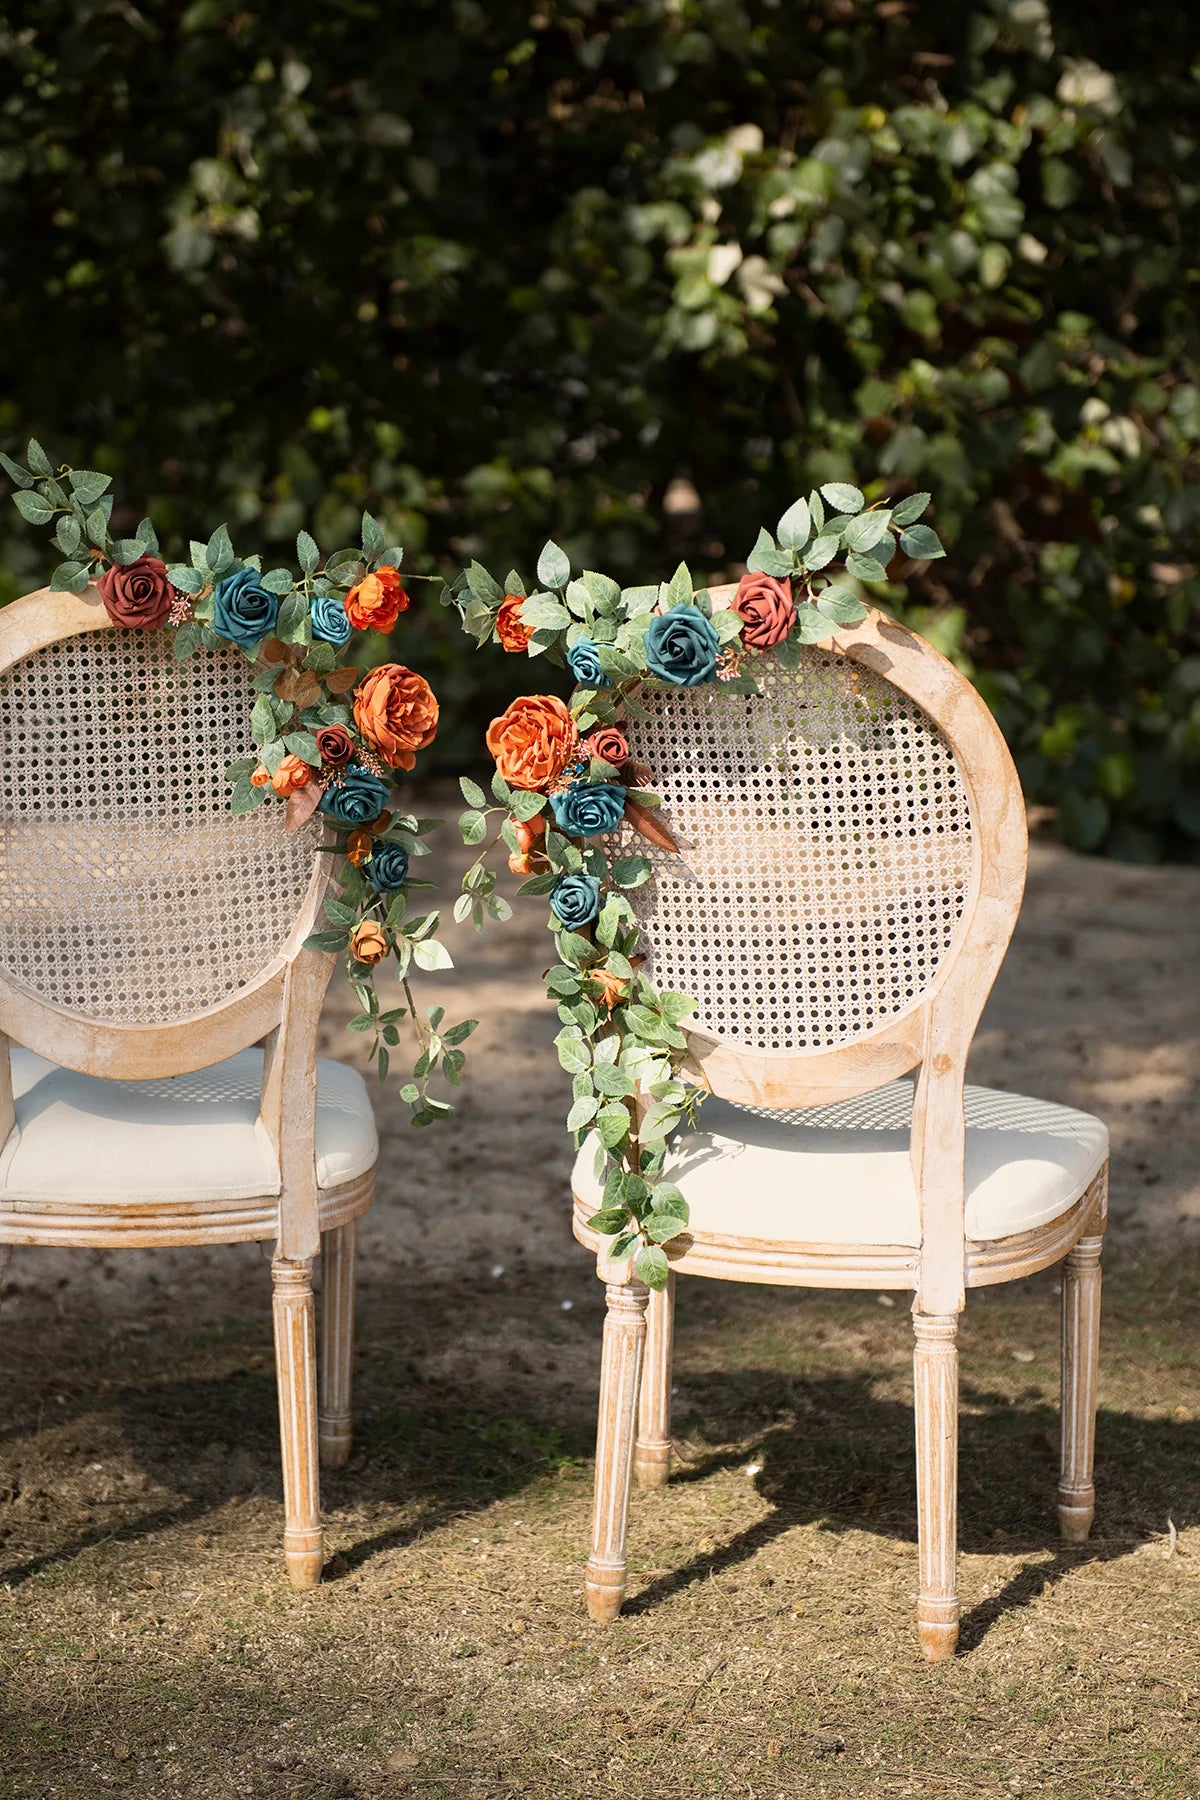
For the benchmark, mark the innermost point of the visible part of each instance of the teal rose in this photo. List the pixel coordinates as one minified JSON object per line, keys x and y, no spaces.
{"x":589,"y":807}
{"x":681,"y":647}
{"x":356,"y":799}
{"x":387,"y":868}
{"x":329,"y":621}
{"x":575,"y":900}
{"x":243,"y":611}
{"x":583,"y":660}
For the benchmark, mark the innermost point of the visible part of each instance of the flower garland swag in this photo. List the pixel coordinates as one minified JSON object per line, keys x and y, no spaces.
{"x":564,"y":779}
{"x":327,"y":737}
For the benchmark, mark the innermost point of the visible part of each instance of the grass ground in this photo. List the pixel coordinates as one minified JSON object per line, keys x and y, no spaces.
{"x":150,"y":1645}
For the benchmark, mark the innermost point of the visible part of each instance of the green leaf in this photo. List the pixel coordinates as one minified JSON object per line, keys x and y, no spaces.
{"x":612,"y":1124}
{"x":681,"y":588}
{"x":218,"y":552}
{"x":303,"y":745}
{"x":323,"y":940}
{"x":573,"y":1053}
{"x":727,"y":624}
{"x":921,"y":543}
{"x":429,"y":954}
{"x":631,"y":871}
{"x":866,"y":531}
{"x":652,"y":1267}
{"x":544,"y":613}
{"x":604,"y":592}
{"x":639,"y":600}
{"x":845,"y":498}
{"x":582,"y":1113}
{"x":185,"y":578}
{"x":865,"y":568}
{"x":841,"y":605}
{"x":245,"y":797}
{"x":525,"y":804}
{"x":32,"y":508}
{"x":473,"y":826}
{"x":483,"y":586}
{"x":374,"y":542}
{"x":669,"y":1199}
{"x":187,"y":639}
{"x":472,"y":793}
{"x":68,"y":534}
{"x":911,"y":509}
{"x":610,"y":1220}
{"x":292,"y":622}
{"x":612,"y":1082}
{"x":278,"y":581}
{"x":794,"y":527}
{"x":15,"y":472}
{"x":307,"y":553}
{"x":262,"y":721}
{"x":87,"y":485}
{"x":822,"y":551}
{"x":661,"y":1227}
{"x":553,"y":567}
{"x":69,"y":578}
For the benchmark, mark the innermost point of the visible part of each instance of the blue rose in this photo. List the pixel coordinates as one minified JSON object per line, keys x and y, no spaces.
{"x":575,"y":900}
{"x":681,"y":647}
{"x":589,"y":807}
{"x":387,"y":868}
{"x":329,"y":621}
{"x":243,"y":611}
{"x":357,"y":799}
{"x":583,"y":660}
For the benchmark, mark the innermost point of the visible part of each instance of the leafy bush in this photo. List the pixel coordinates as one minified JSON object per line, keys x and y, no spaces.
{"x":490,"y":271}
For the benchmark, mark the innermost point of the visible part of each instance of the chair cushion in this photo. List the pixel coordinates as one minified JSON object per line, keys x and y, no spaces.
{"x":189,"y":1137}
{"x":841,"y":1174}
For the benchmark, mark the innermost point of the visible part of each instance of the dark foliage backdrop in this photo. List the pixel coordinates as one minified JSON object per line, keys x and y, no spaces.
{"x":496,"y":269}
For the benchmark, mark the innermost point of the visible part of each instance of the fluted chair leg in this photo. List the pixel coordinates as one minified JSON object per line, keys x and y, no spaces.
{"x":620,"y":1374}
{"x":335,"y":1421}
{"x":1080,"y":1367}
{"x":296,"y":1376}
{"x":935,"y":1382}
{"x":652,"y":1452}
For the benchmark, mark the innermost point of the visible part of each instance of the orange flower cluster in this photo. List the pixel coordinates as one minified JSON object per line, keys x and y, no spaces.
{"x":377,"y":601}
{"x":396,"y":712}
{"x":533,"y":742}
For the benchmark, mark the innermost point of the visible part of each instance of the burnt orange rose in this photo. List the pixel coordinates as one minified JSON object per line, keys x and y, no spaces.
{"x":292,"y":773}
{"x":378,"y":600}
{"x":396,"y":712}
{"x":260,"y":777}
{"x":533,"y":742}
{"x":529,"y":832}
{"x":512,"y":633}
{"x":368,"y":943}
{"x":607,"y":988}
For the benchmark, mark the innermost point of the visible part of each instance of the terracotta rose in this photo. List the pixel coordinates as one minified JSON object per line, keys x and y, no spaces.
{"x":513,"y":634}
{"x":396,"y":712}
{"x":378,"y":600}
{"x":292,"y":773}
{"x":766,"y":609}
{"x":609,"y":744}
{"x":138,"y":594}
{"x":533,"y":742}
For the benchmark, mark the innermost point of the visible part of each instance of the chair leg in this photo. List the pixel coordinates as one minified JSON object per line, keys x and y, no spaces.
{"x":1080,"y":1366}
{"x":620,"y":1373}
{"x":296,"y":1375}
{"x":652,"y":1452}
{"x":334,"y":1420}
{"x":935,"y":1381}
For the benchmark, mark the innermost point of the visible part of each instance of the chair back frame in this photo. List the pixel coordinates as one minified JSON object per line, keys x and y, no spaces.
{"x":933,"y":1033}
{"x":279,"y":1007}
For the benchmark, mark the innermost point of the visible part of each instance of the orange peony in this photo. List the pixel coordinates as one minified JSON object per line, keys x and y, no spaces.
{"x":513,"y":634}
{"x":292,"y":773}
{"x":378,"y":600}
{"x":368,"y":944}
{"x":533,"y":742}
{"x":396,"y":712}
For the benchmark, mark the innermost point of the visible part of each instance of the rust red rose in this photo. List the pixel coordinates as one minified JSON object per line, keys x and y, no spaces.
{"x":138,"y":594}
{"x":336,"y":746}
{"x":609,"y":744}
{"x":766,"y":609}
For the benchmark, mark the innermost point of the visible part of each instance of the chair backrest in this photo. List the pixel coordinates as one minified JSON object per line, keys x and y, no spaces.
{"x":143,"y":927}
{"x":852,"y":846}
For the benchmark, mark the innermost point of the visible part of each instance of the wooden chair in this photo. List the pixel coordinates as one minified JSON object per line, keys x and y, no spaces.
{"x":148,"y":941}
{"x":853,"y":856}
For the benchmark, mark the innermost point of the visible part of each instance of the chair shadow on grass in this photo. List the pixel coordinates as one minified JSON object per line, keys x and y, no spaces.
{"x":835,"y":1454}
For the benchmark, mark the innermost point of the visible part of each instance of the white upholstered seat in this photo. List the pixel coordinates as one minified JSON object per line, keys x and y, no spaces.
{"x":842,"y":1174}
{"x":188,"y":1137}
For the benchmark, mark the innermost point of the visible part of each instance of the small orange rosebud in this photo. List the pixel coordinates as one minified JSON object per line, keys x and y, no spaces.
{"x":528,"y":831}
{"x":292,"y":773}
{"x":521,"y":865}
{"x":359,"y":846}
{"x":368,"y":944}
{"x":260,"y":777}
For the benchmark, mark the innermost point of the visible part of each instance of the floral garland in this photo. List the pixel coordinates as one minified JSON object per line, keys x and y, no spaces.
{"x":327,"y":737}
{"x":564,"y":779}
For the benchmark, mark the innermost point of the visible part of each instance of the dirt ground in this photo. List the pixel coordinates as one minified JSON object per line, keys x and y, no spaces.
{"x":149,"y":1642}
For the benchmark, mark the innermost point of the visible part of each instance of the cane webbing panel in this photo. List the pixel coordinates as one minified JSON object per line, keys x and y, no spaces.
{"x":826,"y":853}
{"x":128,"y":891}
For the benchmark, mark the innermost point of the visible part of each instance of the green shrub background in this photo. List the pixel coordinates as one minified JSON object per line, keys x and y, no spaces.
{"x":498,"y":270}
